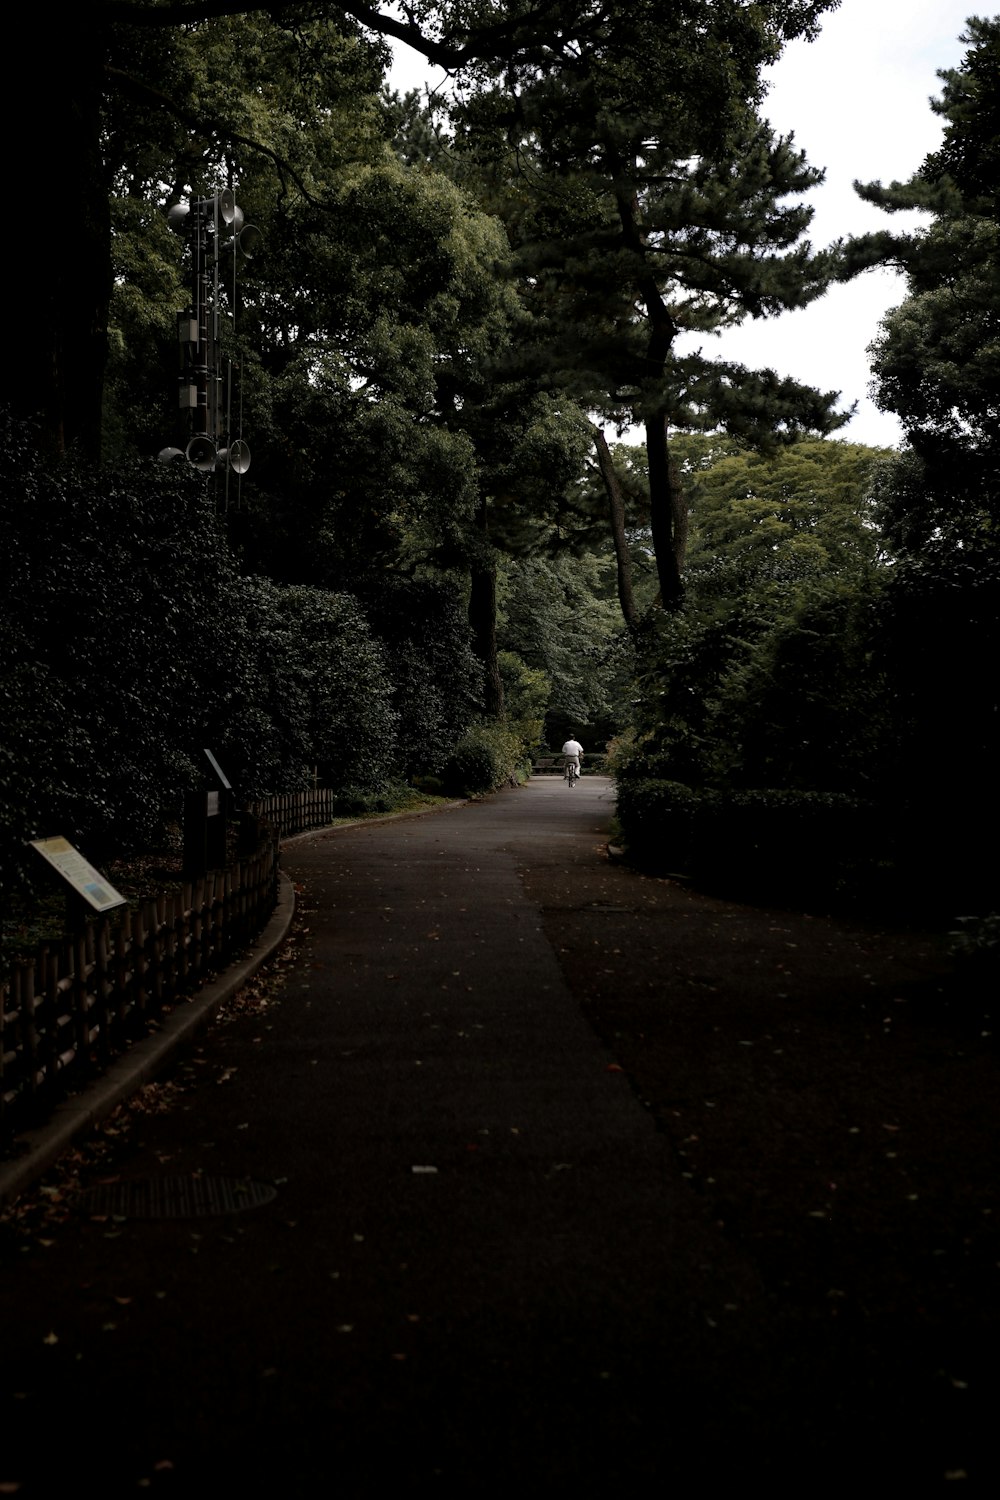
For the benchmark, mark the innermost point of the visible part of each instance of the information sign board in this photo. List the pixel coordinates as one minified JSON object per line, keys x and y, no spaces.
{"x":223,"y":779}
{"x":87,"y":882}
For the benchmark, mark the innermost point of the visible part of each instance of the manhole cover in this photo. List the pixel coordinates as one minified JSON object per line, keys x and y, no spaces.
{"x":176,"y":1197}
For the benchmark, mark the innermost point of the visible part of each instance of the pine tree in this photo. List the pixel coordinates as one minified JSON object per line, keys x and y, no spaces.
{"x":647,"y":199}
{"x":937,"y":359}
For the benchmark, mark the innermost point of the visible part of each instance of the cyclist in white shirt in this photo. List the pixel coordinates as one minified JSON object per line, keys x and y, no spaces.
{"x":572,"y":750}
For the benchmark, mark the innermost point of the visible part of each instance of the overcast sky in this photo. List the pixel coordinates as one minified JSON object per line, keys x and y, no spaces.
{"x":856,"y":100}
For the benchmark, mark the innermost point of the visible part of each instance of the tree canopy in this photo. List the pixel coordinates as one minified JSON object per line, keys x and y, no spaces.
{"x":646,"y":197}
{"x":643,"y":190}
{"x":936,"y":362}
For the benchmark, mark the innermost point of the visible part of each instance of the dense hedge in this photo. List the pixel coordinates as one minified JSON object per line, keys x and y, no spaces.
{"x":120,"y":636}
{"x":436,"y":679}
{"x":320,"y":692}
{"x":130,"y":643}
{"x":774,"y":844}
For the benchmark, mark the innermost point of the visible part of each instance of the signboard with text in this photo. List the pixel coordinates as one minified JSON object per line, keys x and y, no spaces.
{"x":78,"y":873}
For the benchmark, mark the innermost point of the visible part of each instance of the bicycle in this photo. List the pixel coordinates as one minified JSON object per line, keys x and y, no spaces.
{"x":572,"y":772}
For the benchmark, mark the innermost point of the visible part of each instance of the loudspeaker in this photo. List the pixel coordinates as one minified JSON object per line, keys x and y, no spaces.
{"x":237,"y":456}
{"x":200,"y":452}
{"x":249,"y":240}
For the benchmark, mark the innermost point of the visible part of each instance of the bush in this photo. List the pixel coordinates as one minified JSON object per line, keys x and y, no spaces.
{"x":130,"y":643}
{"x":657,"y":821}
{"x":975,"y":946}
{"x":470,"y":770}
{"x":119,"y":636}
{"x":489,"y":756}
{"x":435,"y":676}
{"x":767,"y":843}
{"x":322,"y":693}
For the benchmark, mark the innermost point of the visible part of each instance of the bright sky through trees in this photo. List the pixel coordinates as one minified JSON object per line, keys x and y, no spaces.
{"x":857,"y":101}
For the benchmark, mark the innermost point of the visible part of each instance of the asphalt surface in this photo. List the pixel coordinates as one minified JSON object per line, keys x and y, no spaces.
{"x":468,"y":1260}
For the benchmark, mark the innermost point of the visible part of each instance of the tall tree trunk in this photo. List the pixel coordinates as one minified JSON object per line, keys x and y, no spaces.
{"x":56,"y":313}
{"x":616,"y":507}
{"x":668,"y":514}
{"x":483,"y":615}
{"x":678,"y":507}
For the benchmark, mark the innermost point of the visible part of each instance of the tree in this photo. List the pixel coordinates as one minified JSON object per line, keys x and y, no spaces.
{"x":326,"y":682}
{"x":768,"y":677}
{"x":809,"y":503}
{"x":558,"y":615}
{"x":121,"y":61}
{"x":937,"y":366}
{"x":646,"y":198}
{"x":936,"y":362}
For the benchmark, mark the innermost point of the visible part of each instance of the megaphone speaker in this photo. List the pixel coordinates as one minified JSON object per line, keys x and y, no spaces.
{"x":200,"y":452}
{"x":249,"y":240}
{"x":237,"y":456}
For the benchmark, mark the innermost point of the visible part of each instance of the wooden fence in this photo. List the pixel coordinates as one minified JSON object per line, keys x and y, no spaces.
{"x":66,"y":1013}
{"x":296,"y":812}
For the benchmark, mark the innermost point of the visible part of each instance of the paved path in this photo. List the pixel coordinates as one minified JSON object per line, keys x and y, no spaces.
{"x":481,"y":1272}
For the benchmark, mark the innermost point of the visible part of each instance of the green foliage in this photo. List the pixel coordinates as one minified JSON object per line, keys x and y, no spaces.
{"x":975,"y":944}
{"x":357,"y":802}
{"x":770,"y":844}
{"x":526,"y":693}
{"x":471,"y":769}
{"x":491,"y":755}
{"x":418,"y":344}
{"x":807,"y":504}
{"x":121,"y":644}
{"x":937,"y":359}
{"x":435,"y":677}
{"x":767,"y":749}
{"x":646,"y":199}
{"x":937,"y":366}
{"x":327,"y":688}
{"x":560,"y":616}
{"x":769,"y":676}
{"x":130,"y":644}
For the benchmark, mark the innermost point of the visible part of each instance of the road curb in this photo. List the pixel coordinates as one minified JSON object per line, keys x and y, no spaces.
{"x":41,"y":1147}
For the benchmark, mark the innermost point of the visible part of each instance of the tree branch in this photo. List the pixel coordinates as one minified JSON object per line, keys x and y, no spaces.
{"x":147,"y":95}
{"x":479,"y":42}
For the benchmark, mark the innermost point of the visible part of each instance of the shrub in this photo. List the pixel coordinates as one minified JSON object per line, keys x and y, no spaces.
{"x":470,"y":770}
{"x":491,"y":755}
{"x":975,"y":943}
{"x":327,"y":690}
{"x":435,"y":676}
{"x":768,"y":843}
{"x":130,"y":643}
{"x":119,"y":638}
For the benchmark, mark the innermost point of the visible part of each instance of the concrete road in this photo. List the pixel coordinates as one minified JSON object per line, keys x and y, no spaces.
{"x":480,"y":1270}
